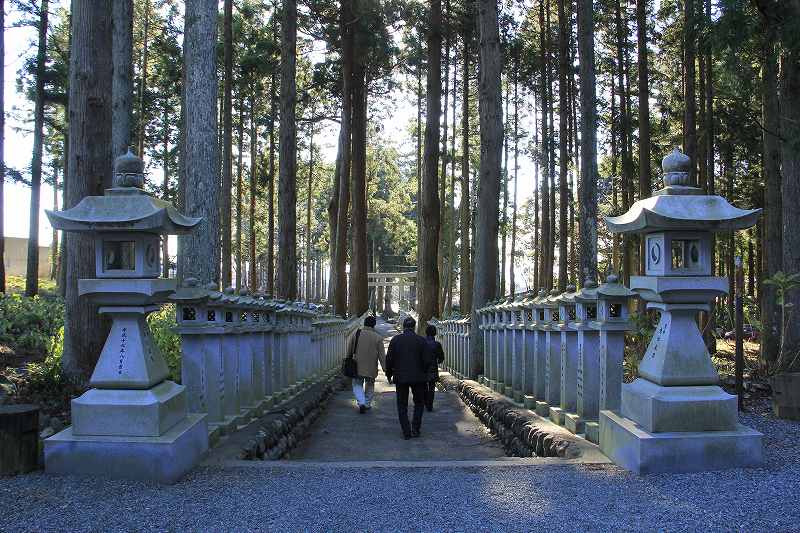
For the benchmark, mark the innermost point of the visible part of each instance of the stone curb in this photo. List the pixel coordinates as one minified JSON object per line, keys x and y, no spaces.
{"x":522,"y":432}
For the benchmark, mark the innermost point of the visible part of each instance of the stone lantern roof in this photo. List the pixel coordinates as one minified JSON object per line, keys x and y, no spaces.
{"x":124,"y":208}
{"x":682,"y":207}
{"x":588,"y":293}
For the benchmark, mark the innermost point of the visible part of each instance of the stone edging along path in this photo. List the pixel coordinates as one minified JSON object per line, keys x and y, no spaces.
{"x":281,"y":428}
{"x":522,"y":432}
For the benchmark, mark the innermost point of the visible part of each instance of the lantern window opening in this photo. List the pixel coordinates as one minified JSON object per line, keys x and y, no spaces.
{"x":189,"y":313}
{"x":243,"y":316}
{"x":571,"y":312}
{"x":555,"y":316}
{"x":119,"y":255}
{"x":228,"y":316}
{"x":615,"y":310}
{"x":212,"y":316}
{"x":541,"y":315}
{"x":591,"y":312}
{"x":529,"y":314}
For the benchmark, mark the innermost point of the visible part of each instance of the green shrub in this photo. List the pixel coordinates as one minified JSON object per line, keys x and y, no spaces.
{"x":169,"y":343}
{"x":28,"y":325}
{"x":637,"y":341}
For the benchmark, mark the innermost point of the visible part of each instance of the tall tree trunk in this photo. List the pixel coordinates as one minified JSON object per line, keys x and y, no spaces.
{"x":624,"y":130}
{"x":491,"y":117}
{"x":451,"y":256}
{"x":428,"y":277}
{"x":342,"y":217}
{"x":122,"y":86}
{"x":240,"y":146}
{"x":645,"y":187}
{"x":333,"y":210}
{"x":287,"y":163}
{"x":443,"y":245}
{"x":227,"y":144}
{"x":512,"y":278}
{"x":537,"y":240}
{"x":359,"y":293}
{"x":689,"y":97}
{"x":199,"y":253}
{"x":545,"y":265}
{"x":504,"y":211}
{"x":465,"y":266}
{"x":253,"y":272}
{"x":790,"y":158}
{"x":143,"y":83}
{"x":563,"y":155}
{"x":587,"y":194}
{"x":271,"y":188}
{"x":772,"y":218}
{"x":32,"y":271}
{"x":308,"y":206}
{"x":2,"y":153}
{"x":89,"y":165}
{"x":54,"y":248}
{"x":165,"y":186}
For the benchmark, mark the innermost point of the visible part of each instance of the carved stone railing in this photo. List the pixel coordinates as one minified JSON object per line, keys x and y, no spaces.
{"x":242,"y":353}
{"x":558,"y":353}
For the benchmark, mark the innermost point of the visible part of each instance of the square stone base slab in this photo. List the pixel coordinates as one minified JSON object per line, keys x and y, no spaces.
{"x":164,"y":459}
{"x":529,"y":402}
{"x":542,"y":409}
{"x":573,"y":423}
{"x":492,"y":384}
{"x":661,"y":409}
{"x":642,"y":452}
{"x":132,"y":413}
{"x":508,"y":391}
{"x":557,"y":415}
{"x":591,"y":432}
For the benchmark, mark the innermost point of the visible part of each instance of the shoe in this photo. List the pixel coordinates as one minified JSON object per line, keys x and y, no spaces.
{"x":415,"y":433}
{"x":430,"y":409}
{"x":362,"y":409}
{"x":406,"y":436}
{"x":368,"y":407}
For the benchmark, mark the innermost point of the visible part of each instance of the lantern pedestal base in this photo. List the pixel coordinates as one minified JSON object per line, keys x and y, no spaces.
{"x":163,"y":459}
{"x":642,"y":452}
{"x":574,"y":423}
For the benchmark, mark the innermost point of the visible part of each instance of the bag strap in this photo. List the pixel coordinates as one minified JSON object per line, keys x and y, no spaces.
{"x":355,"y":345}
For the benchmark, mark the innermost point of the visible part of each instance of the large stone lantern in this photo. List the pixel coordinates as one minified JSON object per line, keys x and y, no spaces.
{"x":133,"y":422}
{"x":675,"y":417}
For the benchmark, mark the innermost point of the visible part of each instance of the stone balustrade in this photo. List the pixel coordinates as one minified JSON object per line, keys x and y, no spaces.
{"x":243,"y":353}
{"x":560,"y":354}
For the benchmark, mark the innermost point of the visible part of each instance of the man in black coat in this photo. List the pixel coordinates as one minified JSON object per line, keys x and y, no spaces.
{"x":437,"y":356}
{"x":408,"y":362}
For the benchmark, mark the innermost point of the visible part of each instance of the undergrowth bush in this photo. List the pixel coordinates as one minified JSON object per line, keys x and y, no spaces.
{"x":28,"y":325}
{"x":161,"y":324}
{"x":637,"y":340}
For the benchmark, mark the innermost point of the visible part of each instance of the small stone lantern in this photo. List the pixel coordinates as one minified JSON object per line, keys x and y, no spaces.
{"x":540,"y":352}
{"x":133,"y":422}
{"x":588,"y":378}
{"x":568,"y":355}
{"x":675,"y":417}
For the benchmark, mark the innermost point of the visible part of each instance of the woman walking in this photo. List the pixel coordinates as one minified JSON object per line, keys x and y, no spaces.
{"x":367,"y":351}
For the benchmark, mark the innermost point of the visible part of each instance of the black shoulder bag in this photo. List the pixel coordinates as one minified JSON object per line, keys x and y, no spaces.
{"x":349,"y":365}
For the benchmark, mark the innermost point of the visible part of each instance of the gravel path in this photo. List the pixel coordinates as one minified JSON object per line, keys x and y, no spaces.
{"x":330,"y":498}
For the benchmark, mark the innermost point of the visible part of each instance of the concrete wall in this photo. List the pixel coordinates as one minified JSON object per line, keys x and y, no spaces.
{"x":16,"y":258}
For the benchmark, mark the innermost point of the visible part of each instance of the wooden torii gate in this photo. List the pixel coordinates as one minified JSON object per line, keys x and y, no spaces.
{"x":404,"y":281}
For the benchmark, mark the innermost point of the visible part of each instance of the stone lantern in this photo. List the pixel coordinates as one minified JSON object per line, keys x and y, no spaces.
{"x":540,"y":352}
{"x":675,"y":417}
{"x":133,"y":422}
{"x":588,"y":372}
{"x":568,"y":355}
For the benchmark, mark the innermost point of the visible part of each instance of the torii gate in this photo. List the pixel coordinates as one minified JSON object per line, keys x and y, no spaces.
{"x":403,"y":280}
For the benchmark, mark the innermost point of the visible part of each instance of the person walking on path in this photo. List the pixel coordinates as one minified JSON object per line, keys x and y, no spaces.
{"x":408,"y":362}
{"x":367,"y":351}
{"x":437,"y":356}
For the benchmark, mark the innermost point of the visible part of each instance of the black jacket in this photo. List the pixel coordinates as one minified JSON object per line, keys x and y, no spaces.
{"x":436,"y":357}
{"x":408,"y":359}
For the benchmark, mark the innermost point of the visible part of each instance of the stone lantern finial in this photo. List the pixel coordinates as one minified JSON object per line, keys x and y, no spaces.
{"x":676,"y":167}
{"x":129,"y":171}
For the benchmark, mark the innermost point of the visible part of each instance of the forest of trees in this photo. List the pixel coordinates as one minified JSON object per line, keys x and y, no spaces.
{"x":234,"y":104}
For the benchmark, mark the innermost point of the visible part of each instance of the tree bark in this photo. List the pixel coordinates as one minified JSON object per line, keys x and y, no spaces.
{"x":199,"y":252}
{"x":240,"y":146}
{"x":624,"y":131}
{"x":143,"y":83}
{"x":587,"y":221}
{"x":512,"y":281}
{"x":443,"y":244}
{"x":227,"y":144}
{"x":428,"y":277}
{"x":308,"y":206}
{"x":253,"y":272}
{"x":342,"y":216}
{"x":2,"y":153}
{"x":32,"y":270}
{"x":465,"y":267}
{"x":287,"y":162}
{"x":89,"y":165}
{"x":772,"y":218}
{"x":122,"y":86}
{"x":491,"y":117}
{"x":689,"y":96}
{"x":359,"y":293}
{"x":563,"y":155}
{"x":545,"y":266}
{"x":165,"y":187}
{"x":271,"y":188}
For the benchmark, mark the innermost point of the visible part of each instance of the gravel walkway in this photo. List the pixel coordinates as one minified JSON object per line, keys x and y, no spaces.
{"x":331,"y":498}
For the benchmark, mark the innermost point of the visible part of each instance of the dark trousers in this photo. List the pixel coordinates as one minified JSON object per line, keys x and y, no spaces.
{"x":430,"y":390}
{"x":418,"y":390}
